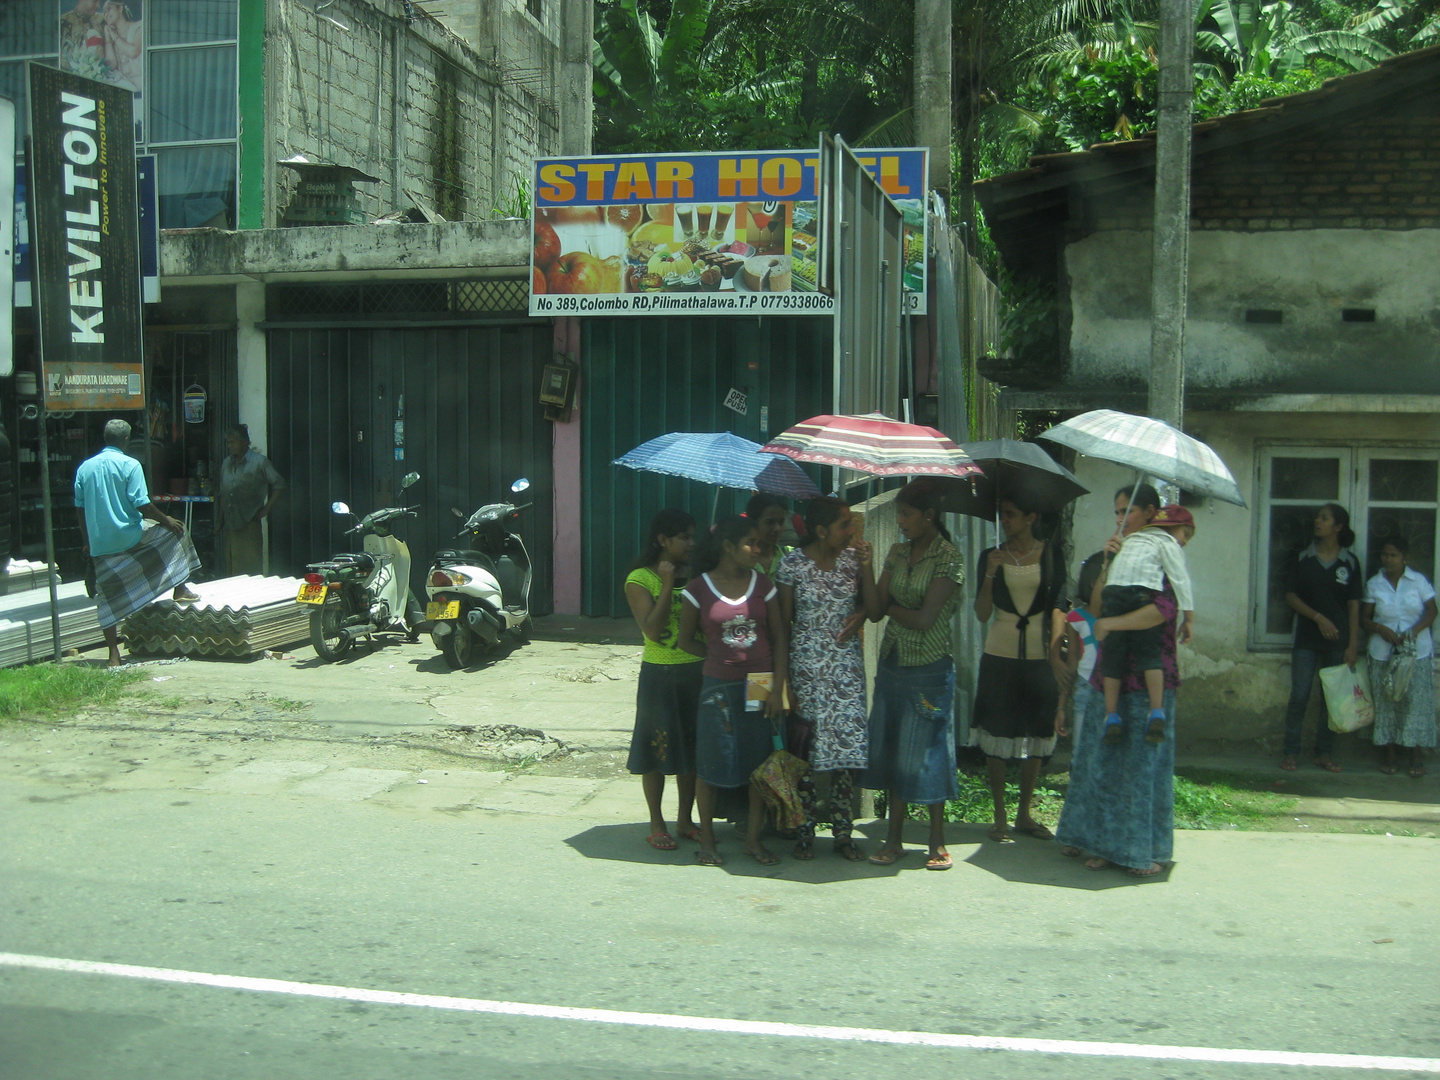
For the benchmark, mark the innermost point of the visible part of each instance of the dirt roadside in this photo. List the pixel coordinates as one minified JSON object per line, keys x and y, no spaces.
{"x":546,"y":709}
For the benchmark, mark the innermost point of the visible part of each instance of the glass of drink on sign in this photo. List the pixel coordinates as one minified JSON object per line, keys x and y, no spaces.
{"x":722,"y":220}
{"x":685,"y":214}
{"x":703,"y":213}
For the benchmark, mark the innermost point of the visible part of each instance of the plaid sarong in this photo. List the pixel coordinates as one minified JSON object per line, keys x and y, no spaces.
{"x":128,"y":580}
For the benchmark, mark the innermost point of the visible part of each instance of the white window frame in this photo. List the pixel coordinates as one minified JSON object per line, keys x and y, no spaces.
{"x":1354,"y":494}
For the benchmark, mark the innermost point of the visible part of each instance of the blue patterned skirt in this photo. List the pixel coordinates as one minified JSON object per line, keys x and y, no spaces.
{"x":912,"y":732}
{"x":666,"y":701}
{"x":730,"y":743}
{"x":1120,"y":804}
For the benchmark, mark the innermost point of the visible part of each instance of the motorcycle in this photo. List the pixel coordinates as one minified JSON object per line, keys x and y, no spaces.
{"x":480,"y":593}
{"x":362,"y":593}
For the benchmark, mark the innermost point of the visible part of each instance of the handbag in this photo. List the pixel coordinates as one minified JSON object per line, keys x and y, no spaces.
{"x":1347,"y":699}
{"x":1395,"y":680}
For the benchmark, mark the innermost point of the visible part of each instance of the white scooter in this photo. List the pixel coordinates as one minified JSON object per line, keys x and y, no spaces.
{"x":362,"y":593}
{"x":480,"y":593}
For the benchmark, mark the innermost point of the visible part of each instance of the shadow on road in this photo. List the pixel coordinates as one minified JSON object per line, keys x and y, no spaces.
{"x":436,"y":664}
{"x":626,"y":843}
{"x":1040,"y":863}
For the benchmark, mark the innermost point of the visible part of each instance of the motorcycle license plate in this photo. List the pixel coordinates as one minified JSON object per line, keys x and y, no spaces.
{"x":441,"y":610}
{"x":312,"y":594}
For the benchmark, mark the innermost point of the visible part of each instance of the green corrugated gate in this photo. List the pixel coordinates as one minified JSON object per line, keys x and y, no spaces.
{"x":643,"y":377}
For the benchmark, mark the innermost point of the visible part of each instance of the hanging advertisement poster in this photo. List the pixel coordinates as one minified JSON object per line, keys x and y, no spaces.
{"x":105,"y":40}
{"x":697,"y":234}
{"x":84,"y":242}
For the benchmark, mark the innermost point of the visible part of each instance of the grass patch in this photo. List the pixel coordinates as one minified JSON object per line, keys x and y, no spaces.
{"x":46,"y":689}
{"x":285,"y":704}
{"x":1204,"y":799}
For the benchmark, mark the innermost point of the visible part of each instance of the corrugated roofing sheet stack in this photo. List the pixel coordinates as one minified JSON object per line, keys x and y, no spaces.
{"x":25,"y":635}
{"x":22,"y":574}
{"x":235,"y":616}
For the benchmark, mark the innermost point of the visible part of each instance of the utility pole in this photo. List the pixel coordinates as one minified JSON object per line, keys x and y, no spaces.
{"x":1171,"y":256}
{"x":932,"y":88}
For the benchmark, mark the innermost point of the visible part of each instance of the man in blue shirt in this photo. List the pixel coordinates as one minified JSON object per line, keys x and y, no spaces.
{"x":135,"y":563}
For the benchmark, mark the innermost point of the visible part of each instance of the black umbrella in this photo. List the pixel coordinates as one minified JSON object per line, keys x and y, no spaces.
{"x":1013,"y":470}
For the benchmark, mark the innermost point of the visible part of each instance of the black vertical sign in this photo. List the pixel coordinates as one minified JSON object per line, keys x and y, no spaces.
{"x":84,"y":236}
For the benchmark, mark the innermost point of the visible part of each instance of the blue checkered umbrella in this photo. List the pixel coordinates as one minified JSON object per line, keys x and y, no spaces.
{"x":1150,"y":447}
{"x":723,"y":459}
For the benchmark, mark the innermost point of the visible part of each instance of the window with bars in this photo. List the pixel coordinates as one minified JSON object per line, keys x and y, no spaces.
{"x":378,"y":300}
{"x":1388,"y":490}
{"x":183,"y":70}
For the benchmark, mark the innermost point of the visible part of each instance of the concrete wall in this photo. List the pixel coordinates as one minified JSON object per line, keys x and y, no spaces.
{"x":1231,"y":692}
{"x":442,"y":123}
{"x":1308,"y":276}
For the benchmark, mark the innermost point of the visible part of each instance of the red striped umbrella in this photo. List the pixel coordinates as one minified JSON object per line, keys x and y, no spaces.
{"x":873,"y":444}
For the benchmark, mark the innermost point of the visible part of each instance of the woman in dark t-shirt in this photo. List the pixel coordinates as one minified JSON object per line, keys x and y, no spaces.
{"x":1324,"y":588}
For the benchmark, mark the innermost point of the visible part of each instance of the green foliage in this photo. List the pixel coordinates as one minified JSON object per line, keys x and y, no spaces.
{"x":1210,"y":800}
{"x":47,"y":689}
{"x":1028,"y":322}
{"x":1105,"y":99}
{"x":516,"y":203}
{"x":1248,"y":91}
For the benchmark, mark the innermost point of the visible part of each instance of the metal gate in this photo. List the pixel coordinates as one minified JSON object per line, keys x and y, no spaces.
{"x":353,"y":410}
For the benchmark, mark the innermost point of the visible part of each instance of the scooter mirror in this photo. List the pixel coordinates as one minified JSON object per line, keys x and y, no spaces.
{"x":458,"y":512}
{"x":410,"y":478}
{"x":339,"y":508}
{"x":520,"y":485}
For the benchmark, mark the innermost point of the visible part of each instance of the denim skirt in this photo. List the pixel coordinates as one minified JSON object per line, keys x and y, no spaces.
{"x":912,"y":732}
{"x":730,"y":743}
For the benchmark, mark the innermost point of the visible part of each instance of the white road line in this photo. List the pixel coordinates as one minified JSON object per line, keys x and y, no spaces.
{"x":728,"y":1027}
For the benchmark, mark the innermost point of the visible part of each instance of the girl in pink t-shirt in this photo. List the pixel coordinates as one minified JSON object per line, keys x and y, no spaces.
{"x":737,"y":611}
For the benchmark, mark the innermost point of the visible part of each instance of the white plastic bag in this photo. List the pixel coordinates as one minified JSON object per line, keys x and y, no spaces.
{"x":1347,"y":697}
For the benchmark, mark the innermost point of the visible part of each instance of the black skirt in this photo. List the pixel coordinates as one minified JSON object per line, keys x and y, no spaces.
{"x":1015,"y":702}
{"x":666,"y":701}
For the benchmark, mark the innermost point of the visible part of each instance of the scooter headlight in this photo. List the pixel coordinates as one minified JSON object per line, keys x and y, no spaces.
{"x":443,"y":579}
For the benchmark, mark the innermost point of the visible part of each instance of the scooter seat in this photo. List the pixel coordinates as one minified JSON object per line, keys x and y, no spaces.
{"x":457,"y":557}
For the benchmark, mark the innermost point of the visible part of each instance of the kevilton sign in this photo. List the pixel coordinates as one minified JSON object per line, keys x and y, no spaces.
{"x":84,"y":236}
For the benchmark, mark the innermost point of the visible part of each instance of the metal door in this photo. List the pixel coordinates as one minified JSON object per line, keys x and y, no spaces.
{"x":353,"y":410}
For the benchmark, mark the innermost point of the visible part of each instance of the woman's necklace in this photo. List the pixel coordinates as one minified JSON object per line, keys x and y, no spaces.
{"x":1019,"y":560}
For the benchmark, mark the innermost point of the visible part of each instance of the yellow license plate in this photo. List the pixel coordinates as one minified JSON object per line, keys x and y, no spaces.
{"x":441,"y":610}
{"x":312,"y":594}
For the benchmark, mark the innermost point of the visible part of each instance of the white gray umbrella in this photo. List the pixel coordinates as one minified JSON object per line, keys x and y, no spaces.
{"x":1151,"y":447}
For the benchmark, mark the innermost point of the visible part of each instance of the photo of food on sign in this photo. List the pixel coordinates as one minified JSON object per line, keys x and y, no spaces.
{"x":702,"y":233}
{"x":676,"y":247}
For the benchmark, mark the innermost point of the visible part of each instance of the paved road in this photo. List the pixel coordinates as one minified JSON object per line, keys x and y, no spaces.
{"x":490,"y":885}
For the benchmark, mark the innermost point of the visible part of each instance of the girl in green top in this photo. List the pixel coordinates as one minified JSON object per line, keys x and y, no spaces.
{"x":668,"y":695}
{"x":912,"y":729}
{"x":767,"y":512}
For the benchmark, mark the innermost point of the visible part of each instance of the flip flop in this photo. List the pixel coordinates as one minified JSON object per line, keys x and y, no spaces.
{"x":763,"y":857}
{"x":942,"y":861}
{"x":1417,"y":771}
{"x":1288,"y":763}
{"x":1001,"y":834}
{"x":1098,"y":863}
{"x":1069,"y":852}
{"x":1155,"y":868}
{"x":709,"y":858}
{"x":692,"y":833}
{"x":1389,"y":770}
{"x":1326,"y":764}
{"x":887,"y":856}
{"x":661,"y":841}
{"x":1038,"y":831}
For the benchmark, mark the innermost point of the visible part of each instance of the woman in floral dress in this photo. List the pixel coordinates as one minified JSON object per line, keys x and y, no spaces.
{"x":822,"y":585}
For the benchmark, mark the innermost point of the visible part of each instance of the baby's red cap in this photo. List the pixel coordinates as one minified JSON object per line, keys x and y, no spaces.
{"x":1172,"y":517}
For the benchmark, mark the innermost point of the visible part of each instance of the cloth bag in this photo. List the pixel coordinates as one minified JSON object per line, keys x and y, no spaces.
{"x":778,"y":780}
{"x":1347,"y":696}
{"x":1395,"y":679}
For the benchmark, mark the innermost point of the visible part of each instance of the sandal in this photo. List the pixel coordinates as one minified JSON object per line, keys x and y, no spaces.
{"x":1389,"y":768}
{"x":1069,"y":852}
{"x":804,"y":850}
{"x":847,"y":849}
{"x":1289,"y":763}
{"x":709,"y":858}
{"x":887,"y":855}
{"x":1155,"y":868}
{"x":661,"y":841}
{"x":1035,"y":829}
{"x":939,"y":861}
{"x":1001,"y":834}
{"x":1097,"y":863}
{"x":1326,"y":764}
{"x":763,"y":857}
{"x":689,"y":832}
{"x":1417,"y":770}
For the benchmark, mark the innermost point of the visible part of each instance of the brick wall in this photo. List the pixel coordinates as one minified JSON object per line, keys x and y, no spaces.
{"x":409,"y":102}
{"x":1376,"y":170}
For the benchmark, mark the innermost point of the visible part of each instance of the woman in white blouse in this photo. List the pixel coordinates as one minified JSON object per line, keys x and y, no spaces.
{"x":1400,"y":604}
